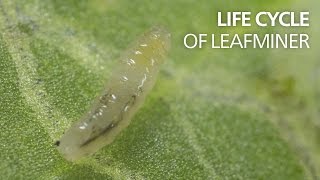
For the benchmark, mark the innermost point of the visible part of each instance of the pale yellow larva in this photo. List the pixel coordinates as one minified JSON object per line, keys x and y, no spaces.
{"x":111,"y":112}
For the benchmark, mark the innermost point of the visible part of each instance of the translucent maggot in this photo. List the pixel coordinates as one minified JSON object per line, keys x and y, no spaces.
{"x":122,"y":96}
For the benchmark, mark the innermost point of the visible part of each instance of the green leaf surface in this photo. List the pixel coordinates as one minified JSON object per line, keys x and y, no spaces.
{"x":213,"y":114}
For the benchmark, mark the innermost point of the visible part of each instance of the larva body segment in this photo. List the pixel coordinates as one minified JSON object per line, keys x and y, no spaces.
{"x":111,"y":112}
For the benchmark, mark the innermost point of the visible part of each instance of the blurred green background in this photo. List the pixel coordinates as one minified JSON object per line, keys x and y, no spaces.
{"x":213,"y":114}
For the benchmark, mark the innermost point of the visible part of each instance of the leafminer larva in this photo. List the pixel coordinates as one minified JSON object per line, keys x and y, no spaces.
{"x":111,"y":112}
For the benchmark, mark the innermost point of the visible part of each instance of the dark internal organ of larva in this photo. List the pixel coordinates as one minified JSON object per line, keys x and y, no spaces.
{"x":112,"y":111}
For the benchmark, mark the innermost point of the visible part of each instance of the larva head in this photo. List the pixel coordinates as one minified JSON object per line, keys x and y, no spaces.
{"x":161,"y":36}
{"x":154,"y":45}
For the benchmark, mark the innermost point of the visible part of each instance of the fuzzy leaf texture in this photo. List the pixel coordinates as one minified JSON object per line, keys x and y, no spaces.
{"x":213,"y":114}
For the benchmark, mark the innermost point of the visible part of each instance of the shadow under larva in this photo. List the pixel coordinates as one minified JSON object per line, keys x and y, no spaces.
{"x":122,"y":96}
